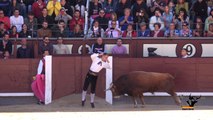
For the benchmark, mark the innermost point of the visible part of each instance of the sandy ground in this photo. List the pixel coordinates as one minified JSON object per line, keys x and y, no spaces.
{"x":69,"y":107}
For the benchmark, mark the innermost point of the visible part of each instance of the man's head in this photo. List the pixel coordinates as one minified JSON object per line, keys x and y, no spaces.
{"x":45,"y":53}
{"x":1,"y":25}
{"x":157,"y":26}
{"x":113,"y":23}
{"x":16,"y":12}
{"x":101,"y":13}
{"x":99,"y":41}
{"x":157,"y":13}
{"x":143,"y":26}
{"x":1,"y":13}
{"x":172,"y":26}
{"x":60,"y":40}
{"x":44,"y":11}
{"x":96,"y":23}
{"x":6,"y":37}
{"x":61,"y":24}
{"x":104,"y":57}
{"x":24,"y":42}
{"x":30,"y":15}
{"x":46,"y":39}
{"x":45,"y":24}
{"x":119,"y":42}
{"x":184,"y":52}
{"x":185,"y":25}
{"x":77,"y":14}
{"x":130,"y":27}
{"x":127,"y":12}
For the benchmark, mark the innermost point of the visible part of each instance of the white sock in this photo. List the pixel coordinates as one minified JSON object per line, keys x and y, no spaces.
{"x":92,"y":96}
{"x":84,"y":93}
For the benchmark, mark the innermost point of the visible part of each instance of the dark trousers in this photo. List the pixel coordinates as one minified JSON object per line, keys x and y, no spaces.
{"x":90,"y":79}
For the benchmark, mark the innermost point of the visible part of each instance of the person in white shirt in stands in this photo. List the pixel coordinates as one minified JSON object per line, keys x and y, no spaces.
{"x":60,"y":48}
{"x":17,"y":20}
{"x":113,"y":32}
{"x":184,"y":53}
{"x":99,"y":61}
{"x":156,"y":19}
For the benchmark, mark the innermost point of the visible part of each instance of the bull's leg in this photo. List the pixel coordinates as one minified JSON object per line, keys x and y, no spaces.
{"x":175,"y":97}
{"x":142,"y":100}
{"x":135,"y":101}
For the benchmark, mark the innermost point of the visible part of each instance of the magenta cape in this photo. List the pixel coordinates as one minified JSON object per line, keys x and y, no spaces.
{"x":38,"y":87}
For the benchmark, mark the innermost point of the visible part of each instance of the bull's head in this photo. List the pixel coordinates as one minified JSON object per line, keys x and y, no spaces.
{"x":113,"y":89}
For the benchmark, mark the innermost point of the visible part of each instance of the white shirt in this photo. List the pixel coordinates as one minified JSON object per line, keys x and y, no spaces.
{"x":60,"y":49}
{"x":98,"y":64}
{"x":40,"y":67}
{"x":17,"y":21}
{"x":113,"y":33}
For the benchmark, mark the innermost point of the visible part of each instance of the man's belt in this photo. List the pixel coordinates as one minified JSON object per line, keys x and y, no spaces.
{"x":93,"y":73}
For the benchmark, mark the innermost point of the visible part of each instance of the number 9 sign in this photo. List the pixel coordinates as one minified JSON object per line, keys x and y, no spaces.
{"x":191,"y":49}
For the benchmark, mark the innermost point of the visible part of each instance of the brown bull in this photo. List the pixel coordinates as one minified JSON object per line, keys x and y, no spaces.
{"x":136,"y":83}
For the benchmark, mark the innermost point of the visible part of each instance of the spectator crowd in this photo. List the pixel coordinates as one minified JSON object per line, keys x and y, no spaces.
{"x":107,"y":18}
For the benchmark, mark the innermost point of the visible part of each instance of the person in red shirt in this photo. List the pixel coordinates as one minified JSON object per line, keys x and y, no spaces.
{"x":77,"y":19}
{"x":5,"y":20}
{"x":130,"y":32}
{"x":38,"y":7}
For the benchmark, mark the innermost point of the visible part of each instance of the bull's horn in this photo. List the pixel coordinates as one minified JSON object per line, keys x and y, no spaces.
{"x":109,"y":87}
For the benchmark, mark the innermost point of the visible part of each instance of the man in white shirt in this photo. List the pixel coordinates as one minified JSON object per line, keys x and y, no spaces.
{"x":99,"y":61}
{"x":156,"y":19}
{"x":113,"y":32}
{"x":17,"y":20}
{"x":60,"y":48}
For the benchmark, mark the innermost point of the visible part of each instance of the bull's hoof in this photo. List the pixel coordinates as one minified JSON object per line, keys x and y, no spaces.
{"x":135,"y":106}
{"x":143,"y":106}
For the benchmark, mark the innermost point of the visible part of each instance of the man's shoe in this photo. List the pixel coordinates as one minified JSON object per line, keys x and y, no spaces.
{"x":40,"y":103}
{"x":92,"y":105}
{"x":83,"y":103}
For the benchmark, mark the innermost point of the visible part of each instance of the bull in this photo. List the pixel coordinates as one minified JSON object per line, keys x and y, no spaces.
{"x":138,"y":82}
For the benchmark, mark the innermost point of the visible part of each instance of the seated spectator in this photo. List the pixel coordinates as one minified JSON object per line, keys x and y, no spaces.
{"x":126,"y":19}
{"x":157,"y":5}
{"x":157,"y":32}
{"x":156,"y":19}
{"x":198,"y":31}
{"x":113,"y":18}
{"x":24,"y":51}
{"x":25,"y":32}
{"x":171,"y":7}
{"x":45,"y":45}
{"x":130,"y":32}
{"x":209,"y":32}
{"x":184,"y":53}
{"x":143,"y":32}
{"x":95,"y":7}
{"x":141,"y":16}
{"x":167,"y":17}
{"x":121,"y":6}
{"x":60,"y":48}
{"x":96,"y":31}
{"x":31,"y":23}
{"x":77,"y":19}
{"x":119,"y":48}
{"x":113,"y":32}
{"x":17,"y":20}
{"x":44,"y":31}
{"x":109,"y":7}
{"x":181,"y":18}
{"x":61,"y":30}
{"x":77,"y":32}
{"x":6,"y":55}
{"x":45,"y":17}
{"x":37,"y":8}
{"x":103,"y":21}
{"x":200,"y":9}
{"x":181,"y":4}
{"x":5,"y":44}
{"x":209,"y":20}
{"x":136,"y":9}
{"x":2,"y":29}
{"x":5,"y":6}
{"x":13,"y":32}
{"x":5,"y":20}
{"x":171,"y":32}
{"x":185,"y":31}
{"x":67,"y":7}
{"x":63,"y":16}
{"x":28,"y":4}
{"x":99,"y":46}
{"x":53,"y":8}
